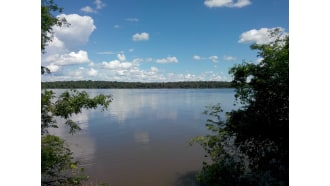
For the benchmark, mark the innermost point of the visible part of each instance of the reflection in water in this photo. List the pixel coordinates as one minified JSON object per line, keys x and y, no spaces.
{"x":143,"y":139}
{"x":81,"y":144}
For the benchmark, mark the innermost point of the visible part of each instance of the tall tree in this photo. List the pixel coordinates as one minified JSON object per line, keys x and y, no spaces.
{"x":251,"y":146}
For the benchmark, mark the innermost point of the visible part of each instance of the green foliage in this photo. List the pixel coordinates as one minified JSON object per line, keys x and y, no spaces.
{"x":58,"y":166}
{"x":68,"y":103}
{"x":224,"y":163}
{"x":251,"y":147}
{"x":57,"y":163}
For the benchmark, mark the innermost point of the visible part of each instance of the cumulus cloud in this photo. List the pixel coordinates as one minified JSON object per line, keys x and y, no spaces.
{"x":130,"y":72}
{"x":88,"y":9}
{"x":214,"y":58}
{"x":99,"y":4}
{"x":196,"y":57}
{"x":77,"y":34}
{"x":154,"y":69}
{"x":68,"y":58}
{"x":229,"y":58}
{"x":227,"y":3}
{"x":53,"y":68}
{"x":64,"y":49}
{"x":92,"y":72}
{"x":117,"y":65}
{"x":261,"y":36}
{"x":140,"y":37}
{"x":121,"y":57}
{"x":167,"y":60}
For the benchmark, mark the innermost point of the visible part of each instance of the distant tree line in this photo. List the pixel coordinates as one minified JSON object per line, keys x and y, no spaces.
{"x":88,"y":84}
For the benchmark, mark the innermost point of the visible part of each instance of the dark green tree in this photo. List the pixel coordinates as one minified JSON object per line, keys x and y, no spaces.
{"x":251,"y":146}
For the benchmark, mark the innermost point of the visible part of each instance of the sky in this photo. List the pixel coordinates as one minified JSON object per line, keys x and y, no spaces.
{"x":159,"y":41}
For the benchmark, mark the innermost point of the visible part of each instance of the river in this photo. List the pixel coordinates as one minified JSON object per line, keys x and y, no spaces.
{"x":143,"y":138}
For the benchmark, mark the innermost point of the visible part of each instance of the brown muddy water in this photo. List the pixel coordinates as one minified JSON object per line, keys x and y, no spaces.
{"x":143,"y":138}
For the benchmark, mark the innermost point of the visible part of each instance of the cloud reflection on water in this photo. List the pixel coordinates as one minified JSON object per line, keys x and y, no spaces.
{"x":141,"y":137}
{"x":81,"y":143}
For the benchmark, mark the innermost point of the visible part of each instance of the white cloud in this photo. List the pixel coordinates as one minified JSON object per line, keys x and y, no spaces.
{"x":214,"y":58}
{"x":196,"y":57}
{"x":140,"y":37}
{"x":64,"y":49}
{"x":189,"y":76}
{"x":227,"y":3}
{"x":117,"y":65}
{"x":121,"y":57}
{"x":56,"y":43}
{"x":259,"y":60}
{"x":154,"y":69}
{"x":92,"y":72}
{"x":167,"y":60}
{"x":229,"y":58}
{"x":68,"y":58}
{"x":241,"y":3}
{"x":129,"y":72}
{"x":99,"y":4}
{"x":138,"y":60}
{"x":88,"y":9}
{"x":116,"y":26}
{"x":77,"y":34}
{"x":261,"y":36}
{"x":132,"y":19}
{"x":53,"y":68}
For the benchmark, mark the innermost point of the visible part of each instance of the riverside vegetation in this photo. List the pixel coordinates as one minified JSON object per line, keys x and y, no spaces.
{"x":251,"y":145}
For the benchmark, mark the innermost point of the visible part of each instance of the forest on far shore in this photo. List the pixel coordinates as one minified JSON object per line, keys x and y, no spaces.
{"x":88,"y":84}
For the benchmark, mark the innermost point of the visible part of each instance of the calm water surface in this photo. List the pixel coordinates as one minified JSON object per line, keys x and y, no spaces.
{"x":143,"y":138}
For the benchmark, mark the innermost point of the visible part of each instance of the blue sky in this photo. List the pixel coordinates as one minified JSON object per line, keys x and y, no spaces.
{"x":159,"y":41}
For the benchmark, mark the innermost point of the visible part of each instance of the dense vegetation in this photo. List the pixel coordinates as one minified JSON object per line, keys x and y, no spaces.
{"x":251,"y":145}
{"x":115,"y":84}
